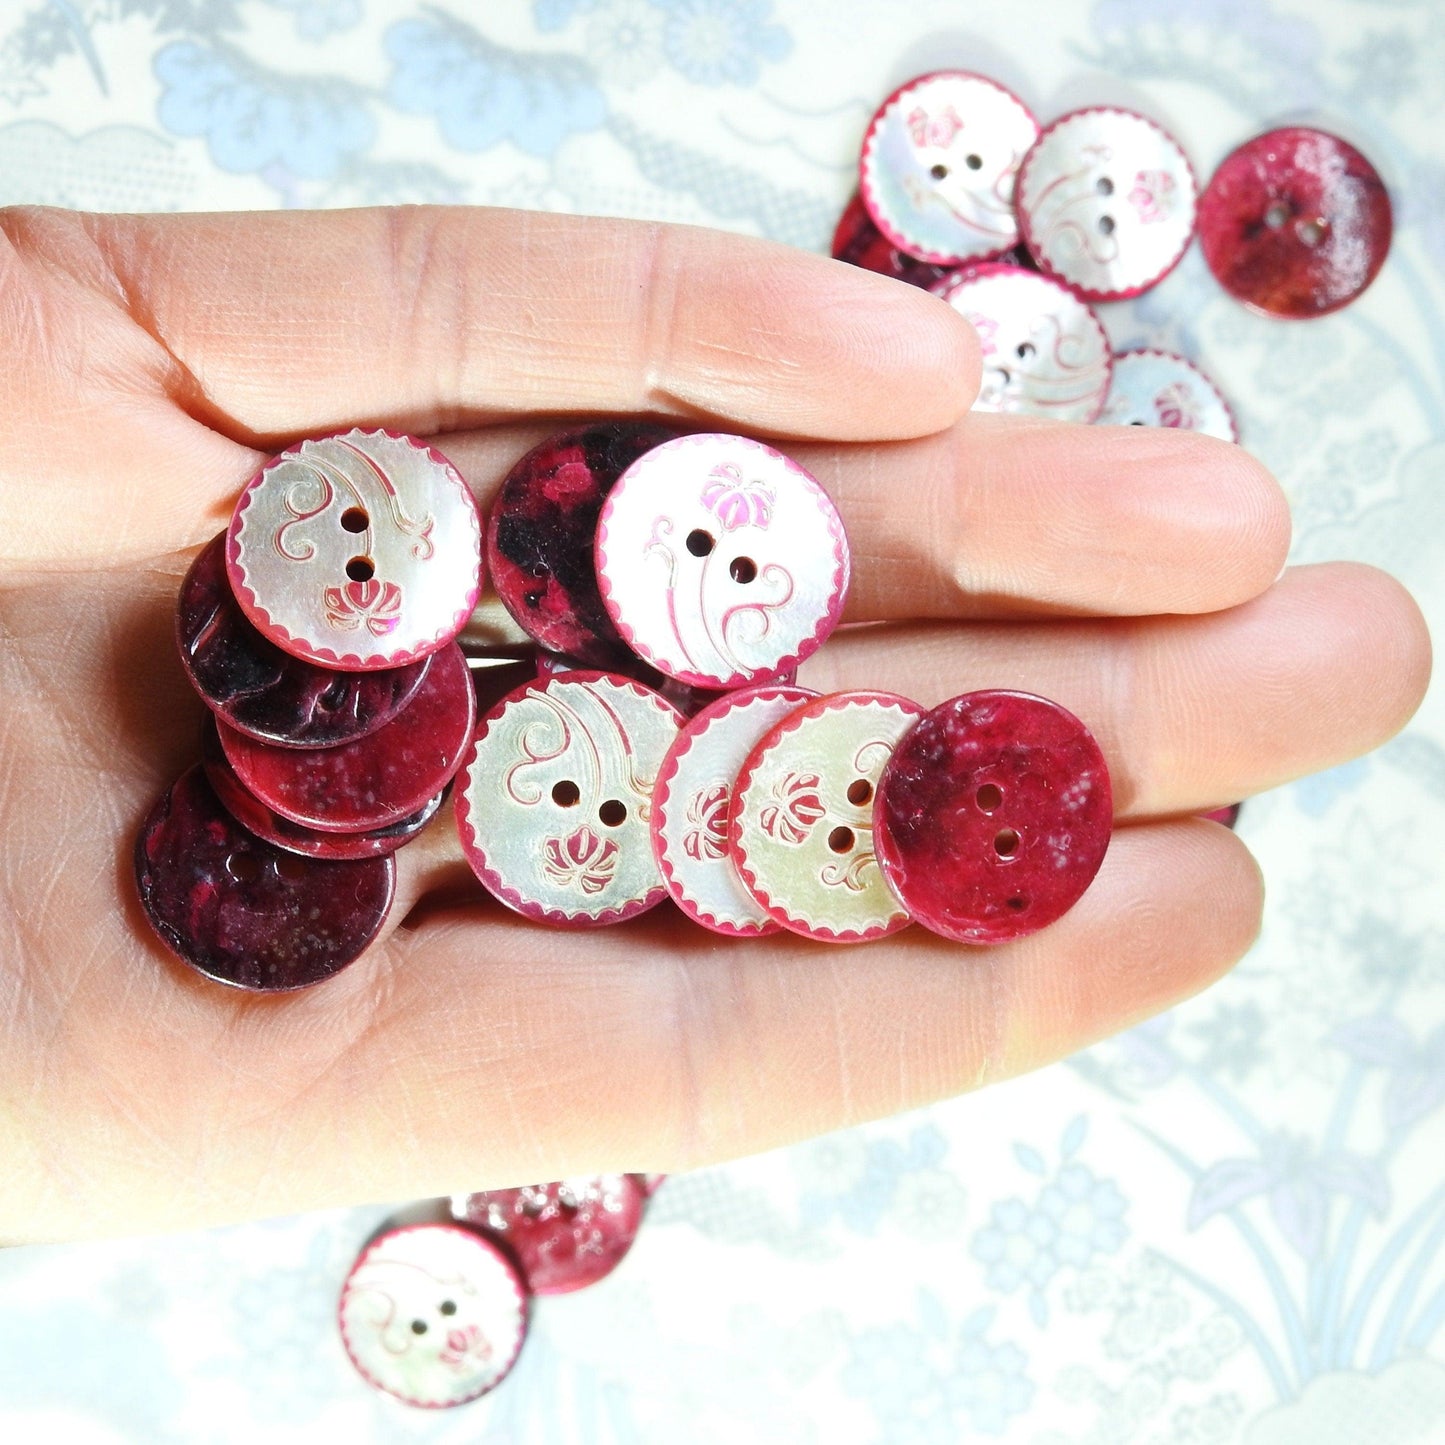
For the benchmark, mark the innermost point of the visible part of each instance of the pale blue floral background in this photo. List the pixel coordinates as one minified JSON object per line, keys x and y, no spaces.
{"x":1227,"y":1225}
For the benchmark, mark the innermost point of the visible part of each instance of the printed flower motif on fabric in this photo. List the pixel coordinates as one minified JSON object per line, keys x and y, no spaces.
{"x":735,"y":502}
{"x":795,"y":808}
{"x":372,"y":604}
{"x":581,"y":860}
{"x":707,"y":810}
{"x":1155,"y":196}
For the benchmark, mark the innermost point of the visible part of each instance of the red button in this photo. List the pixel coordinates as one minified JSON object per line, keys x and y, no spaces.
{"x":1158,"y":388}
{"x":938,"y":166}
{"x":1107,"y":202}
{"x":1045,"y":353}
{"x":541,"y":530}
{"x":1295,"y":223}
{"x":378,"y":780}
{"x":434,"y":1314}
{"x":566,"y":1235}
{"x":993,"y":816}
{"x":247,"y":914}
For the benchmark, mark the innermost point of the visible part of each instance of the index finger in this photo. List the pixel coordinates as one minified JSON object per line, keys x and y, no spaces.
{"x":429,"y":318}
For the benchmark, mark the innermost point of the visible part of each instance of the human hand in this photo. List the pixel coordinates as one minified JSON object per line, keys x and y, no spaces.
{"x":154,"y":362}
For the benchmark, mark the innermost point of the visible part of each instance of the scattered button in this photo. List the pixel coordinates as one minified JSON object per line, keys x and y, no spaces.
{"x":434,"y":1314}
{"x":993,"y":816}
{"x":540,"y":534}
{"x":243,"y":912}
{"x":693,"y":800}
{"x":1157,"y":388}
{"x":1228,"y":816}
{"x":378,"y":780}
{"x":721,"y":561}
{"x":358,"y":551}
{"x":564,"y":1236}
{"x":801,"y":827}
{"x":554,"y":802}
{"x":1107,"y":202}
{"x":1045,"y":353}
{"x":938,"y":166}
{"x":859,"y":242}
{"x":1295,"y":223}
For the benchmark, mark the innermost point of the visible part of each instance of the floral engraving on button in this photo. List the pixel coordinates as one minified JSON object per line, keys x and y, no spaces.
{"x":795,"y":808}
{"x":1177,"y":407}
{"x":927,"y":130}
{"x":581,"y":859}
{"x":708,"y":810}
{"x":1155,"y":196}
{"x":377,"y":605}
{"x":736,"y":503}
{"x":465,"y":1348}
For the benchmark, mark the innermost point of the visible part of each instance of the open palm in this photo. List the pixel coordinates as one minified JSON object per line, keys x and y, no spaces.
{"x":153,"y":363}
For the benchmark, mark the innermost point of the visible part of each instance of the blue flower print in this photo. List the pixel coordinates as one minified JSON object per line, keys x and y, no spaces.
{"x":252,"y":120}
{"x":482,"y":94}
{"x":1086,"y":1212}
{"x":316,"y":19}
{"x":988,"y":1383}
{"x":720,"y":42}
{"x":556,"y":14}
{"x":1018,"y":1247}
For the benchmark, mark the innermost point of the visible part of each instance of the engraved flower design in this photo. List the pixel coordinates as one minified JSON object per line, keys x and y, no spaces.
{"x":987,"y":328}
{"x":794,"y":809}
{"x":708,"y":809}
{"x":935,"y":130}
{"x":463,"y":1345}
{"x":734,"y":502}
{"x":1153,"y":196}
{"x":372,"y":604}
{"x":581,"y":860}
{"x":1175,"y":405}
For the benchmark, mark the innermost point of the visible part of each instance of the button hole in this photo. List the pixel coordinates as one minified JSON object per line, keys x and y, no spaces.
{"x":613,"y":813}
{"x":244,"y":867}
{"x":1016,"y":903}
{"x":566,"y":794}
{"x":742,"y":570}
{"x":1276,"y":215}
{"x":1106,"y":225}
{"x":290,"y":868}
{"x":1006,"y":843}
{"x":860,"y":790}
{"x":360,"y":569}
{"x":938,"y":172}
{"x":989,"y":797}
{"x":973,"y":162}
{"x":1311,"y":232}
{"x":700,"y":543}
{"x":841,"y":840}
{"x":1104,"y":186}
{"x":354,"y":519}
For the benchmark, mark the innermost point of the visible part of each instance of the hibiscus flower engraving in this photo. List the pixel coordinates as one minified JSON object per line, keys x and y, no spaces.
{"x":370,"y":604}
{"x":794,"y":808}
{"x":935,"y":130}
{"x":1153,"y":196}
{"x":581,"y":860}
{"x":463,"y":1346}
{"x":708,"y":809}
{"x":1175,"y":405}
{"x":735,"y":502}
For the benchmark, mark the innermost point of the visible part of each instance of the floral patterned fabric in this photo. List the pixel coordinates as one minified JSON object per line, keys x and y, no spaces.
{"x":1227,"y":1225}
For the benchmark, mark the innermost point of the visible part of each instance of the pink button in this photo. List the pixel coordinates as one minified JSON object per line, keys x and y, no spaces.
{"x":554,"y":802}
{"x":1107,"y":202}
{"x":357,"y":551}
{"x":1228,"y":816}
{"x":993,"y":816}
{"x":564,"y":1236}
{"x":1045,"y":353}
{"x":434,"y":1314}
{"x":801,"y":826}
{"x":721,"y":561}
{"x":1295,"y":223}
{"x":693,"y":800}
{"x":378,"y":780}
{"x":243,"y":912}
{"x":1158,"y":388}
{"x":938,"y":166}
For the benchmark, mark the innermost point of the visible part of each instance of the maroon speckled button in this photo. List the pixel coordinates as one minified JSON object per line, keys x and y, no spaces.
{"x":265,"y":692}
{"x":540,"y":534}
{"x":377,"y":780}
{"x":243,"y":912}
{"x":993,"y":816}
{"x":859,"y":242}
{"x":434,"y":1314}
{"x":563,"y":1236}
{"x":1295,"y":223}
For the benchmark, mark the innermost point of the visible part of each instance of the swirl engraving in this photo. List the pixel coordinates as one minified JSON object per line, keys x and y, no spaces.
{"x":299,"y":510}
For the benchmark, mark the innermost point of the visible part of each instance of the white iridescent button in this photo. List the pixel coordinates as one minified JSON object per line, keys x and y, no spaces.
{"x":360,"y":551}
{"x":692,"y":802}
{"x":938,"y":166}
{"x":555,"y":800}
{"x":434,"y":1314}
{"x":721,"y":561}
{"x":1157,"y":388}
{"x":1045,"y":353}
{"x":1106,"y":202}
{"x":801,"y":827}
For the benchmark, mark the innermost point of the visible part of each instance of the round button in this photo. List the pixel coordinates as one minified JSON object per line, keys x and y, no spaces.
{"x":243,"y":912}
{"x":938,"y":166}
{"x":378,"y":780}
{"x":358,"y":551}
{"x":1107,"y":202}
{"x":554,"y":802}
{"x":434,"y":1314}
{"x":1157,"y":388}
{"x":1295,"y":223}
{"x":693,"y":800}
{"x":564,"y":1236}
{"x":993,"y":816}
{"x":1228,"y":816}
{"x":264,"y":692}
{"x":540,"y":533}
{"x":1045,"y":353}
{"x":801,"y":826}
{"x":860,"y":243}
{"x":721,"y":561}
{"x":254,"y":816}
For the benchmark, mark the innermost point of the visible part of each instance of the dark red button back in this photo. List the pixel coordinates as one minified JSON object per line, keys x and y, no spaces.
{"x":993,"y":816}
{"x":1295,"y":223}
